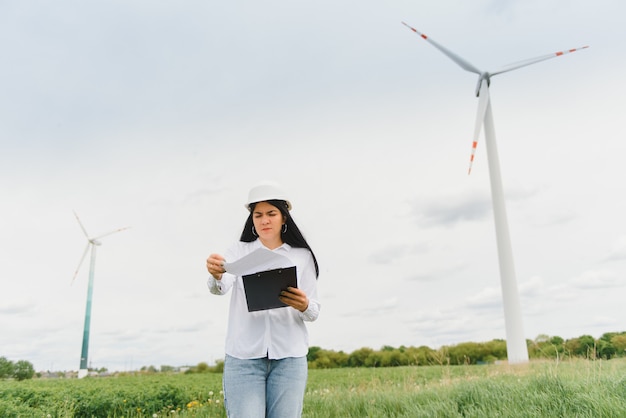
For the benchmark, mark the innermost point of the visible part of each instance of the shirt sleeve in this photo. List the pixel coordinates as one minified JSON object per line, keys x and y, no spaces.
{"x":312,"y":311}
{"x":221,"y":287}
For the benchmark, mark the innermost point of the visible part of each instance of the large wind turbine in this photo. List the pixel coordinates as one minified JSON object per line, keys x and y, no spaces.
{"x":517,"y":351}
{"x":93,"y":243}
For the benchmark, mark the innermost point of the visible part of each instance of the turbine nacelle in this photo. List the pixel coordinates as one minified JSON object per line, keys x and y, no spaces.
{"x":485,"y":76}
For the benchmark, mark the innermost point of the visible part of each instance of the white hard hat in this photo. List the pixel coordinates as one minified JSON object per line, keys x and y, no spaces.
{"x":266,"y":191}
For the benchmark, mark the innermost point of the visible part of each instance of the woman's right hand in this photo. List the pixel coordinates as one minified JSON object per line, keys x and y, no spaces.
{"x":215,"y":266}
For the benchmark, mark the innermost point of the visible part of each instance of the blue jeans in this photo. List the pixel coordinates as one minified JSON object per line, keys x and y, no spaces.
{"x":263,"y":388}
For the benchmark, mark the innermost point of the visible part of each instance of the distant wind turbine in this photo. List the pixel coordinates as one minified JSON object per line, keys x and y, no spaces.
{"x":517,"y":351}
{"x":93,"y":243}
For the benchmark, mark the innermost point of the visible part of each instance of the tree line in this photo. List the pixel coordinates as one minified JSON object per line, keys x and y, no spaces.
{"x":609,"y":345}
{"x":20,"y":370}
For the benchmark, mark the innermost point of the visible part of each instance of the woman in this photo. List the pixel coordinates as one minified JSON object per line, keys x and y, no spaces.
{"x":265,"y":369}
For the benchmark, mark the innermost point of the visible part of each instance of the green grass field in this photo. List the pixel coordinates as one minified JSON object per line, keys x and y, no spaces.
{"x":576,"y":388}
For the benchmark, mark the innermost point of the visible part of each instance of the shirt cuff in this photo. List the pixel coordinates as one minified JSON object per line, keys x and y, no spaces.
{"x":215,"y":286}
{"x":312,"y":311}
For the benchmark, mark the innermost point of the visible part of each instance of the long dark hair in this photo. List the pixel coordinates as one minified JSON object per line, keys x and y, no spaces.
{"x":293,"y":236}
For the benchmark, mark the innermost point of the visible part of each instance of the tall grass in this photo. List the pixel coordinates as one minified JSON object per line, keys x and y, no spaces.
{"x":579,"y":388}
{"x":575,"y":388}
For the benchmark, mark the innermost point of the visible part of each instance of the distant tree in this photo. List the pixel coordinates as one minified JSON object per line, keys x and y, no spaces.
{"x":583,"y":346}
{"x":619,"y":342}
{"x":167,"y":369}
{"x":202,"y":367}
{"x":23,"y":370}
{"x":339,"y":358}
{"x":605,"y":349}
{"x":556,"y":340}
{"x":572,"y":346}
{"x":359,"y":357}
{"x":474,"y":353}
{"x":218,"y":368}
{"x":587,"y":346}
{"x":329,"y":359}
{"x":313,"y":353}
{"x":464,"y":353}
{"x":375,"y":359}
{"x":322,"y":360}
{"x":440,"y":357}
{"x":420,"y":355}
{"x":148,"y":369}
{"x":394,"y":358}
{"x":6,"y":368}
{"x":604,"y":346}
{"x":494,"y":349}
{"x":545,"y":346}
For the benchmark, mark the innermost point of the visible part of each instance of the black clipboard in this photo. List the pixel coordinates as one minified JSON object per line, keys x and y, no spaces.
{"x":263,"y":288}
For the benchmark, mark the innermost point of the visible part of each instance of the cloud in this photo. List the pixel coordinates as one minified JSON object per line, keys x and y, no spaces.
{"x":394,"y":252}
{"x":388,"y":254}
{"x":204,"y":195}
{"x":440,"y":323}
{"x":556,"y":219}
{"x":561,"y":293}
{"x":488,"y":298}
{"x":532,"y":287}
{"x":379,"y":309}
{"x":618,"y":250}
{"x":606,"y":322}
{"x":601,"y":279}
{"x":450,"y":210}
{"x":437,"y":274}
{"x":18,"y":308}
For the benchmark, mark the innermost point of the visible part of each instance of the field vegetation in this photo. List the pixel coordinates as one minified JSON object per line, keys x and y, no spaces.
{"x":579,"y":377}
{"x":541,"y":388}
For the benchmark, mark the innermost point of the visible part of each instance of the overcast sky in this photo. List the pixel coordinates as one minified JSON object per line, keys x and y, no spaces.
{"x":160,"y":115}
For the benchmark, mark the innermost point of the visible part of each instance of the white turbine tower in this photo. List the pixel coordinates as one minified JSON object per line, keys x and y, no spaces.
{"x":93,"y":243}
{"x":517,"y":351}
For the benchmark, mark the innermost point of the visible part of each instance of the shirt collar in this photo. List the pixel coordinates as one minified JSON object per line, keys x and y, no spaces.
{"x":285,"y":247}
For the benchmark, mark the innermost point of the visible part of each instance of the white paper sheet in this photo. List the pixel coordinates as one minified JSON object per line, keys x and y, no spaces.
{"x":258,"y":260}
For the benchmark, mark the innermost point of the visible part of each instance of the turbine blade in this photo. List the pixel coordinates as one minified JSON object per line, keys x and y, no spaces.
{"x":460,"y":61}
{"x":81,"y":225}
{"x":80,"y":263}
{"x":520,"y":64}
{"x":112,"y":232}
{"x":483,"y":101}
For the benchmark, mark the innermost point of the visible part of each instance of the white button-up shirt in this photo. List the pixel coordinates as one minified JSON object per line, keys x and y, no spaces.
{"x":275,"y":333}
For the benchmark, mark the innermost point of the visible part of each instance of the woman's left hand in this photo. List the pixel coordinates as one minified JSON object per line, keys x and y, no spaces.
{"x":295,"y":298}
